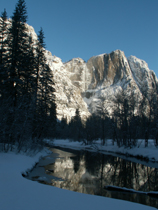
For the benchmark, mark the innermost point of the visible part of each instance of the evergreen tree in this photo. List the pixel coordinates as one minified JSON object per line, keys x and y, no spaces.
{"x":45,"y":107}
{"x":76,"y":126}
{"x":47,"y":101}
{"x":122,"y":115}
{"x":63,"y":129}
{"x":18,"y":43}
{"x":92,"y":129}
{"x":104,"y":122}
{"x":3,"y":78}
{"x":29,"y":108}
{"x":40,"y":65}
{"x":29,"y":73}
{"x":3,"y":55}
{"x":17,"y":52}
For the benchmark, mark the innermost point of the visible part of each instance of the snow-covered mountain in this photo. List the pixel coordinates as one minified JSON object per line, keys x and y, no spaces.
{"x":97,"y":82}
{"x":68,"y":95}
{"x":90,"y":85}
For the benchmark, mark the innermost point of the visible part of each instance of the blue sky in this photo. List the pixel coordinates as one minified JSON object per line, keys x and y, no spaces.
{"x":84,"y":28}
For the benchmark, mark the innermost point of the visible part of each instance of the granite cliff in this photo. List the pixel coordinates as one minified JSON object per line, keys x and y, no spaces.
{"x":87,"y":86}
{"x":97,"y":82}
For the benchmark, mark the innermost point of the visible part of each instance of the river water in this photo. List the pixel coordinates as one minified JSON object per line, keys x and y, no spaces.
{"x":89,"y":172}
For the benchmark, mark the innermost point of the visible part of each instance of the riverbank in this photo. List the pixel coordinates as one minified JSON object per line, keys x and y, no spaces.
{"x":18,"y":193}
{"x":149,"y":153}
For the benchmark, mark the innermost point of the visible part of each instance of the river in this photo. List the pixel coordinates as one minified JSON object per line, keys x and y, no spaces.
{"x":89,"y":172}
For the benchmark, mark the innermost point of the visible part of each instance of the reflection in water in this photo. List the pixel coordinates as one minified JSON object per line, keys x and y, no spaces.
{"x":88,"y":172}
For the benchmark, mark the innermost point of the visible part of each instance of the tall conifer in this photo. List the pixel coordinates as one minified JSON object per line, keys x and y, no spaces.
{"x":3,"y":54}
{"x":45,"y":107}
{"x":18,"y":49}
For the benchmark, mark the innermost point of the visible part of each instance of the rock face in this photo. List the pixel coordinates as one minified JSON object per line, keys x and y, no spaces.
{"x":97,"y":83}
{"x":146,"y":79}
{"x":104,"y":76}
{"x":68,"y":95}
{"x":89,"y":85}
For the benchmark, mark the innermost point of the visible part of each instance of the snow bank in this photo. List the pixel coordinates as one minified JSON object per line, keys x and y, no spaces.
{"x":148,"y":153}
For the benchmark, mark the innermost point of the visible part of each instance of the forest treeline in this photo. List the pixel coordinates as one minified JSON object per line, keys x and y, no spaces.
{"x":131,"y":120}
{"x":28,"y":103}
{"x":27,"y":100}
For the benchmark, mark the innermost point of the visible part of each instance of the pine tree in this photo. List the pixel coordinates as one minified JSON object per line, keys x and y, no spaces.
{"x":5,"y":99}
{"x":29,"y":70}
{"x":45,"y":107}
{"x":3,"y":34}
{"x":26,"y":80}
{"x":3,"y":54}
{"x":76,"y":126}
{"x":17,"y":52}
{"x":40,"y":63}
{"x":18,"y":43}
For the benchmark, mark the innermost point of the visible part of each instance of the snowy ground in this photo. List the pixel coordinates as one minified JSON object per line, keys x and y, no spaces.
{"x":18,"y":193}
